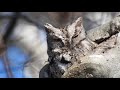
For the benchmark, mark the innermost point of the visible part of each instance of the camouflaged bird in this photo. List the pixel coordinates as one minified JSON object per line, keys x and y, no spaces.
{"x":67,"y":44}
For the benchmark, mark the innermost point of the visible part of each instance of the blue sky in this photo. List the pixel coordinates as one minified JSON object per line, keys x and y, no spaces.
{"x":17,"y":59}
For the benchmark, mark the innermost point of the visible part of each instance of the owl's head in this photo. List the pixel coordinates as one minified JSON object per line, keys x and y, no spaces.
{"x":71,"y":35}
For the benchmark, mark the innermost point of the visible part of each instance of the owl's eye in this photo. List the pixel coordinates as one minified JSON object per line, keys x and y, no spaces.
{"x":75,"y":36}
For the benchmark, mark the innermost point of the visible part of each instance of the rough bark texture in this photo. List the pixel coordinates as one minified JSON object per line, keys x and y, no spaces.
{"x":75,"y":54}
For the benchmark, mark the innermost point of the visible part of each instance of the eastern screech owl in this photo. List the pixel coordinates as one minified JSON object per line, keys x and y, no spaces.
{"x":66,"y":45}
